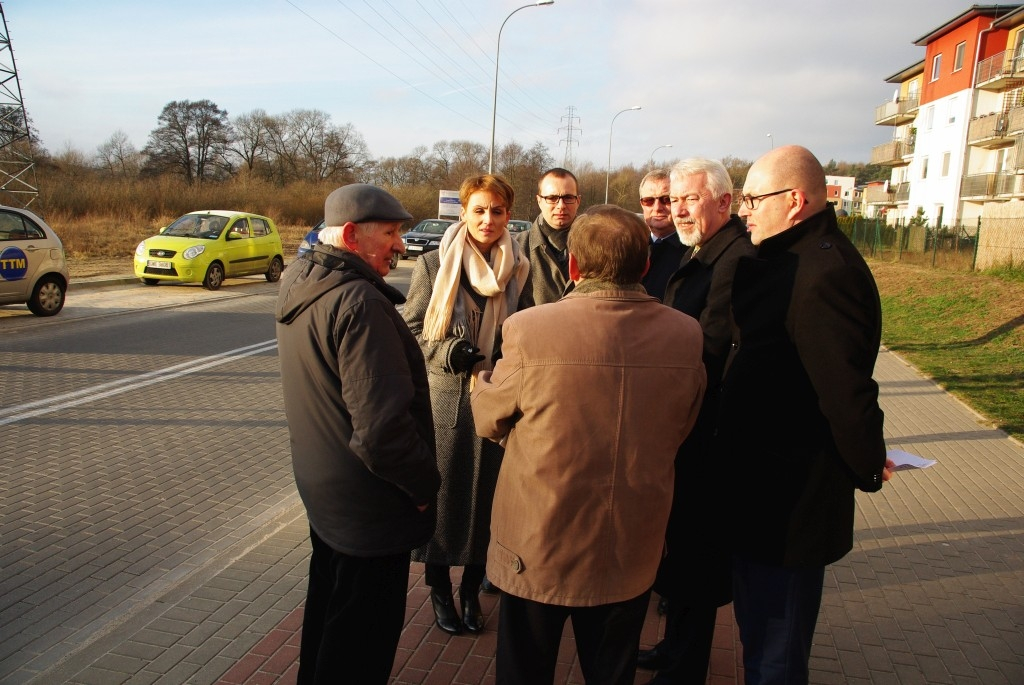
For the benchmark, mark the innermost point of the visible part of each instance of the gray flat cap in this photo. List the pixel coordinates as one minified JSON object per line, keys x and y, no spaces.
{"x":361,"y":203}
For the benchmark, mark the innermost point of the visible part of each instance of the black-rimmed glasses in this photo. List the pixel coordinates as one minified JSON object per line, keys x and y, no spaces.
{"x":554,"y":199}
{"x":751,"y":201}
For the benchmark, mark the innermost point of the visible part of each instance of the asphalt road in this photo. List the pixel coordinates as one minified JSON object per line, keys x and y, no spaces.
{"x":143,"y":447}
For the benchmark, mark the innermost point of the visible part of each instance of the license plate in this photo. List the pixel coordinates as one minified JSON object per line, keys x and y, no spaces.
{"x":154,"y":264}
{"x":414,"y":248}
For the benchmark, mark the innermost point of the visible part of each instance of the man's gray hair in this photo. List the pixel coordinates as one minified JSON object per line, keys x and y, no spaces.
{"x":654,"y":175}
{"x":716,"y":175}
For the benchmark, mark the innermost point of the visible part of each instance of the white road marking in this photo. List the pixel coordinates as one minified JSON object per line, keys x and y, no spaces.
{"x":122,"y":385}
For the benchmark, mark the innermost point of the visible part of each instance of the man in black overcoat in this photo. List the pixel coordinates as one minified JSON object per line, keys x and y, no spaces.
{"x":799,"y":426}
{"x":695,"y":575}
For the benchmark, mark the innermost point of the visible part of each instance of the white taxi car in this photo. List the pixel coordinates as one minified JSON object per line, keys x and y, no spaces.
{"x":33,"y":268}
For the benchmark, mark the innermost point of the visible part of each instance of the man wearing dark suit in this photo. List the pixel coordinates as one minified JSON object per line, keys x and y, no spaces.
{"x":666,"y":250}
{"x":799,"y":423}
{"x":695,"y":575}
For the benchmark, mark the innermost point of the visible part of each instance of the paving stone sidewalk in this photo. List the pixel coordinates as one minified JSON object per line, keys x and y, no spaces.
{"x":933,"y":591}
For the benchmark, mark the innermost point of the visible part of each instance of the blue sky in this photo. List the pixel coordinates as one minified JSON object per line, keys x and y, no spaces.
{"x":713,"y":78}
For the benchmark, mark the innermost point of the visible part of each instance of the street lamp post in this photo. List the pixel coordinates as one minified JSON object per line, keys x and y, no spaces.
{"x":608,"y":169}
{"x":772,"y":140}
{"x":497,"y":57}
{"x":651,"y":163}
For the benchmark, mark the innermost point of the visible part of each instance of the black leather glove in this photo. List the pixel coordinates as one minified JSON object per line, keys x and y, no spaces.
{"x":463,"y":356}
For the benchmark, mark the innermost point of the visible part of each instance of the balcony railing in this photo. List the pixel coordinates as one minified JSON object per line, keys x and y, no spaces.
{"x":897,"y":193}
{"x":992,"y":185}
{"x":902,"y":191}
{"x":893,"y":152}
{"x":996,"y":72}
{"x":897,"y":113}
{"x":996,"y":130}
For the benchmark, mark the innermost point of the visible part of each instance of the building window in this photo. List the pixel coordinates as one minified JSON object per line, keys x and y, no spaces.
{"x":958,"y":57}
{"x":945,"y":164}
{"x":929,"y":118}
{"x":953,"y":104}
{"x":924,"y":167}
{"x":936,"y":66}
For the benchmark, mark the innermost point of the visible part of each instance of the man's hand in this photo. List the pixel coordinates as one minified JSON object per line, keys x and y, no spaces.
{"x":888,"y":470}
{"x":464,"y":356}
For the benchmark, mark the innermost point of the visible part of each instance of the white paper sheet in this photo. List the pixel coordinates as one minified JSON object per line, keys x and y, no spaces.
{"x":906,"y":460}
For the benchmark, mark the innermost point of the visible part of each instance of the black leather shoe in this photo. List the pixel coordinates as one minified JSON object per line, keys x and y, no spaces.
{"x":652,"y":659}
{"x":445,"y":616}
{"x":472,"y":616}
{"x":487,"y":587}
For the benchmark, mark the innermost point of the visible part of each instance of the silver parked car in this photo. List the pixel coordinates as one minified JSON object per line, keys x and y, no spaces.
{"x":33,"y":268}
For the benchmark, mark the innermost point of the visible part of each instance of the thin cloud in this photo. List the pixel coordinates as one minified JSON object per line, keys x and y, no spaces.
{"x":712,"y":79}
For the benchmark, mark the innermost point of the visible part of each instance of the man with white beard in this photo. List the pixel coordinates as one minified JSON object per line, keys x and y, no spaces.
{"x":695,"y":576}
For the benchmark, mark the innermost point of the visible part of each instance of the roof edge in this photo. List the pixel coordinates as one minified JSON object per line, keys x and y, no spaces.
{"x":965,"y":16}
{"x":907,"y":72}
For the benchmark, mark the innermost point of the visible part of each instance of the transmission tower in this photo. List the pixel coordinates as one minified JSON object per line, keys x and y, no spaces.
{"x":569,"y":139}
{"x":17,"y":168}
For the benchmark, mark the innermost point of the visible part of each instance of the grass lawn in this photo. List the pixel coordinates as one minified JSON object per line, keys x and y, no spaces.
{"x":965,"y":330}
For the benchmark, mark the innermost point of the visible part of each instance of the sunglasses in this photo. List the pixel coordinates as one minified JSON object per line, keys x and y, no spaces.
{"x":649,"y":201}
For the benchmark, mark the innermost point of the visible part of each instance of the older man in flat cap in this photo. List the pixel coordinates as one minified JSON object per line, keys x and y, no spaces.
{"x":362,"y":436}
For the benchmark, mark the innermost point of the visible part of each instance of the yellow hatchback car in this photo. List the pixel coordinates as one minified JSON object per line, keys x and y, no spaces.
{"x":208,"y":246}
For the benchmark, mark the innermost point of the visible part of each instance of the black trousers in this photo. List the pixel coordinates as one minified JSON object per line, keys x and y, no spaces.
{"x":689,"y":632}
{"x":776,"y":612}
{"x":607,"y":640}
{"x":355,"y":609}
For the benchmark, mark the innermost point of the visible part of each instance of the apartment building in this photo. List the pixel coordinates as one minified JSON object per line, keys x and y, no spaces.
{"x":839,"y":190}
{"x":953,"y":145}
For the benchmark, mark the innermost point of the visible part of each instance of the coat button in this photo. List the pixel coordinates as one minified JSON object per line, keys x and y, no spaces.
{"x":824,"y":244}
{"x":517,"y":565}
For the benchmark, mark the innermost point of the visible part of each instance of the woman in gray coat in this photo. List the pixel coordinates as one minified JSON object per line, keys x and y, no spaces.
{"x":458,"y":299}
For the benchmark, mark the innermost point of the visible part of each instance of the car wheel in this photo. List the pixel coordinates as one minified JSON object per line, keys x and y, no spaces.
{"x":47,"y":297}
{"x":274,"y":272}
{"x":394,"y":261}
{"x":214,"y":276}
{"x":150,"y":281}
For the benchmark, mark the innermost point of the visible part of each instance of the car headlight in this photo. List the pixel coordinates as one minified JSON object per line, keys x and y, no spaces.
{"x":435,"y":242}
{"x":140,"y":251}
{"x":194,"y":251}
{"x":304,"y":245}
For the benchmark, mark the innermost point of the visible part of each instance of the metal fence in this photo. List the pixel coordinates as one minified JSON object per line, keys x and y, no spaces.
{"x":986,"y":244}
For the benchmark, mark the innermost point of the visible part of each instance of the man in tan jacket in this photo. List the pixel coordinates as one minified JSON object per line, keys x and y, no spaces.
{"x":583,"y":497}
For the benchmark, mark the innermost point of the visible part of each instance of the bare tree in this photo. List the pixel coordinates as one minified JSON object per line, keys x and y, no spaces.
{"x":468,"y":158}
{"x":304,"y":145}
{"x":71,"y":162}
{"x":193,"y":139}
{"x":737,"y":169}
{"x":118,"y":157}
{"x":441,"y":156}
{"x":252,"y":136}
{"x":522,"y":168}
